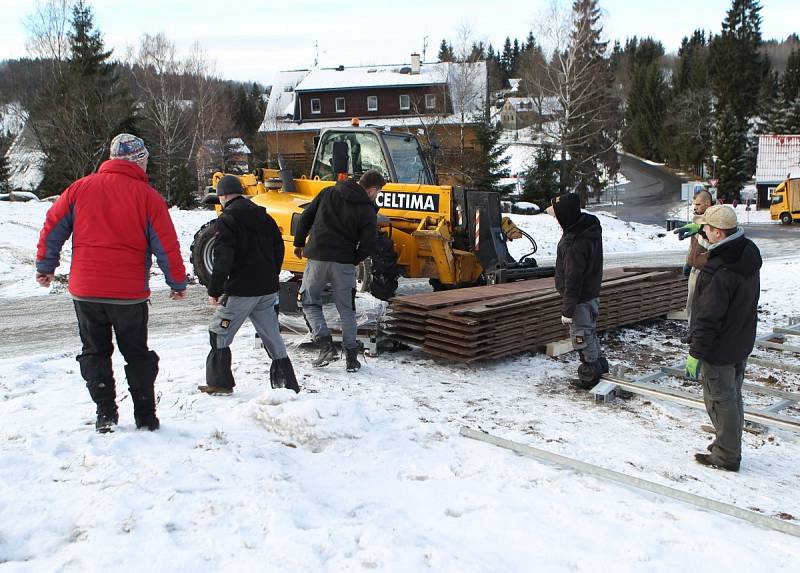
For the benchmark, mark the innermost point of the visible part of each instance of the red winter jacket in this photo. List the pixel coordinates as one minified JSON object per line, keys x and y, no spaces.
{"x":117,"y":222}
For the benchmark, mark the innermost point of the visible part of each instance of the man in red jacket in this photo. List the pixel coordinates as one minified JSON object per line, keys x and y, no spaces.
{"x":117,"y":222}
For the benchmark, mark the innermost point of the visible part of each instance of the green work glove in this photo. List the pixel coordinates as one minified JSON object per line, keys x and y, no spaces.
{"x":692,"y":367}
{"x":687,"y":231}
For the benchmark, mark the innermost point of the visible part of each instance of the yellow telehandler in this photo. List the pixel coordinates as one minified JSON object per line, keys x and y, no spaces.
{"x":453,"y":236}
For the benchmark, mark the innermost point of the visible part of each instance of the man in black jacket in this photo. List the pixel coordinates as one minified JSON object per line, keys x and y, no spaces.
{"x":723,"y":330}
{"x":342,"y":222}
{"x":579,"y":272}
{"x":248,"y":254}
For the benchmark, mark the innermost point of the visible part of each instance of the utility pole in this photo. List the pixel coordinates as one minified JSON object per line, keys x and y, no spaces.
{"x":424,"y":47}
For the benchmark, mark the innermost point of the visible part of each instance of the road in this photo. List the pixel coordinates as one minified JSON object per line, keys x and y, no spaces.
{"x":47,"y":323}
{"x":652,"y":191}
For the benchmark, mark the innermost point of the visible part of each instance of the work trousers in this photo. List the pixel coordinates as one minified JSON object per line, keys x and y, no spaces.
{"x":231,"y":314}
{"x":129,"y":323}
{"x":583,"y":330}
{"x":722,"y":394}
{"x":342,"y":278}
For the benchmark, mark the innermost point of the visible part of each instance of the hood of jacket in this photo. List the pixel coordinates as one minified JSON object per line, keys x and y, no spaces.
{"x":587,"y":226}
{"x":351,"y":192}
{"x":247,"y":213}
{"x":737,"y":254}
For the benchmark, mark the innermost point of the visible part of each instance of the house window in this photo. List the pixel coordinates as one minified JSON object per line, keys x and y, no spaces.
{"x":340,"y":105}
{"x":372,"y":103}
{"x":316,"y":107}
{"x":430,"y":101}
{"x":405,"y":102}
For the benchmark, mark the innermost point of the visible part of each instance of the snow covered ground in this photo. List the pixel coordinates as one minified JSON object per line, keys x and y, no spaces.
{"x":368,"y":471}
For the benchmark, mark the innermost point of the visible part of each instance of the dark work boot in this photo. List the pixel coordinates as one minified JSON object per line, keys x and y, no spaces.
{"x":104,"y":396}
{"x":148,"y":422}
{"x":141,"y":379}
{"x":327,"y":353}
{"x":351,"y":355}
{"x":588,"y":375}
{"x":281,"y":374}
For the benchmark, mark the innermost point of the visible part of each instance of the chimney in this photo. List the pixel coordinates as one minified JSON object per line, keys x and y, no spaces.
{"x":415,"y":63}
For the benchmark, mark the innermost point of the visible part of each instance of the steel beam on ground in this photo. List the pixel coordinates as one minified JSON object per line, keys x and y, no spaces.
{"x":671,"y":395}
{"x":635,"y":482}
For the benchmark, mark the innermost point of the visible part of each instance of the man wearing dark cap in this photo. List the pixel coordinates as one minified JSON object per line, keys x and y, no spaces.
{"x":117,"y":222}
{"x":248,"y":254}
{"x":723,"y":330}
{"x":579,"y":272}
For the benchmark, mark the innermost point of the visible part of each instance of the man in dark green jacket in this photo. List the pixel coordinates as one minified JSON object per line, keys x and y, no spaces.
{"x":723,"y":330}
{"x":579,"y":272}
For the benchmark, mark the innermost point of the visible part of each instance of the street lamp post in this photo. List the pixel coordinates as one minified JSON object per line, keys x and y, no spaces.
{"x":714,"y":170}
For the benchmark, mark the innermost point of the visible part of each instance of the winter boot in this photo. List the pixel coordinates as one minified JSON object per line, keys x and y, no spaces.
{"x":327,"y":353}
{"x":141,"y":379}
{"x":281,"y":374}
{"x":711,"y":461}
{"x":105,"y":397}
{"x":215,"y":390}
{"x":148,"y":422}
{"x":588,"y":375}
{"x":351,"y":355}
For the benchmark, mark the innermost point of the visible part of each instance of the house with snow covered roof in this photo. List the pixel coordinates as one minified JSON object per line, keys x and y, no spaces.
{"x":778,"y":158}
{"x":431,"y":98}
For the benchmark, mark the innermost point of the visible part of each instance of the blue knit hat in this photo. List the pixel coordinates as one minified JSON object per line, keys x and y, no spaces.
{"x":128,"y":147}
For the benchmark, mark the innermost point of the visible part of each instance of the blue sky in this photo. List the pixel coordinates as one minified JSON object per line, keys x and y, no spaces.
{"x":252,"y":39}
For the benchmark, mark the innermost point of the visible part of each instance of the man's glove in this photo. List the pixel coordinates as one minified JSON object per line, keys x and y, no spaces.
{"x":692,"y":367}
{"x":687,"y":269}
{"x":566,"y":320}
{"x":686,"y":231}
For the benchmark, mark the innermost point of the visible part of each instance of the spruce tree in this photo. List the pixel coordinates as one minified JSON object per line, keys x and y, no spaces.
{"x":736,"y":67}
{"x":647,"y":103}
{"x":790,"y":82}
{"x":83,"y":107}
{"x":541,"y":179}
{"x":737,"y":71}
{"x":590,"y":130}
{"x":490,"y":164}
{"x":445,"y":52}
{"x":732,"y":167}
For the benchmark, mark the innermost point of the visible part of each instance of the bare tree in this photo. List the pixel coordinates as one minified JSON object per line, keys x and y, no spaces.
{"x":468,"y":91}
{"x":165,"y":106}
{"x":48,"y":31}
{"x":576,"y":80}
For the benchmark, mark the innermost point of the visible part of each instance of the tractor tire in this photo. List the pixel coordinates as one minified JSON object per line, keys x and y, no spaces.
{"x":786,"y":218}
{"x":202,"y":252}
{"x":385,"y":270}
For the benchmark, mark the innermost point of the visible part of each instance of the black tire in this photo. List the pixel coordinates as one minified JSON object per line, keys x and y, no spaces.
{"x":202,"y":252}
{"x":786,"y":218}
{"x":385,"y":270}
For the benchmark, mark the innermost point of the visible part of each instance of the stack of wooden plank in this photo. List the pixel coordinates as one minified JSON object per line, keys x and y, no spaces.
{"x":479,"y":323}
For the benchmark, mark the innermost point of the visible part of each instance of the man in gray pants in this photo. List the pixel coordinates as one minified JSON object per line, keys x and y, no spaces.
{"x":248,"y":254}
{"x":341,"y":227}
{"x":723,"y":330}
{"x":579,"y":273}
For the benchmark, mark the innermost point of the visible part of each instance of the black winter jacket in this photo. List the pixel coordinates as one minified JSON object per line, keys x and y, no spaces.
{"x":248,"y":252}
{"x":725,"y":303}
{"x":579,"y":263}
{"x":343,"y":225}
